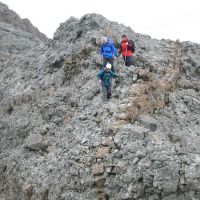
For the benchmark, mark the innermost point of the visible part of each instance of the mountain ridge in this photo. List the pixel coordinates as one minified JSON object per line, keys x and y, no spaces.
{"x":10,"y":17}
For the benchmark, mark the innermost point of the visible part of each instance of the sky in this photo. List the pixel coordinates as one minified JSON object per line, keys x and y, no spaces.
{"x":161,"y":19}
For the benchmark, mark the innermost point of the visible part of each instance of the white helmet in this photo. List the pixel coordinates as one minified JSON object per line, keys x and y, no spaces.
{"x":108,"y":66}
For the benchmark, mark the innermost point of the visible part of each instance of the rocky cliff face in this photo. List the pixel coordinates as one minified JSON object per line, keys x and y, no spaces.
{"x":10,"y":17}
{"x":60,"y":141}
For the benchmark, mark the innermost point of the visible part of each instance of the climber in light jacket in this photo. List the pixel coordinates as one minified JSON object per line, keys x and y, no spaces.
{"x":108,"y":51}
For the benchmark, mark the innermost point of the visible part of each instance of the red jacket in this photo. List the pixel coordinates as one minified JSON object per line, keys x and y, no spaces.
{"x":126,"y":48}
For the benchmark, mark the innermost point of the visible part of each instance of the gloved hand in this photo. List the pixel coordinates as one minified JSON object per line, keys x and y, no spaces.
{"x":100,"y":81}
{"x":118,"y":55}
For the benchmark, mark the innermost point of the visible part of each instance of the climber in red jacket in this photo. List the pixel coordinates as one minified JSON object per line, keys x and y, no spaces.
{"x":127,"y":48}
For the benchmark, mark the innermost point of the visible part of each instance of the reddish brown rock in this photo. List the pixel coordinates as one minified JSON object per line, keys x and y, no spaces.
{"x":102,"y":152}
{"x":100,"y":181}
{"x":98,"y":169}
{"x":106,"y":141}
{"x":145,"y":75}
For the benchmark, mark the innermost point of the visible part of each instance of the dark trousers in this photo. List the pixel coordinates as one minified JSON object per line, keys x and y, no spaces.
{"x":128,"y":61}
{"x":106,"y":92}
{"x":110,"y":60}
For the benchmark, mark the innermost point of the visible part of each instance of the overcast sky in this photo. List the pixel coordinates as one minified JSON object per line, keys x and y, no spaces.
{"x":173,"y":19}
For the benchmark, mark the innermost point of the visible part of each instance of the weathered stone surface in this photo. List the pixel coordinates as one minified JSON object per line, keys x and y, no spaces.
{"x":145,"y":75}
{"x":103,"y":152}
{"x":106,"y":141}
{"x":98,"y":169}
{"x":142,"y":144}
{"x":35,"y":142}
{"x":148,"y":122}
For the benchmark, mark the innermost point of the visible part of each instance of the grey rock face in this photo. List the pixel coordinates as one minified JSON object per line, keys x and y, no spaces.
{"x":35,"y":142}
{"x":10,"y":17}
{"x":60,"y":141}
{"x":148,"y":122}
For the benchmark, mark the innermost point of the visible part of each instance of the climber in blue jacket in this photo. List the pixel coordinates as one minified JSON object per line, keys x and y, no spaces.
{"x":108,"y":51}
{"x":104,"y":77}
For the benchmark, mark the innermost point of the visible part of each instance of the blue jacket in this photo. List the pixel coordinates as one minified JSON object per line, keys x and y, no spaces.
{"x":108,"y":50}
{"x":106,"y":77}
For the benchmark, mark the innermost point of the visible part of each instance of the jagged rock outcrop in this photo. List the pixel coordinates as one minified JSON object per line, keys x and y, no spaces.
{"x":60,"y":141}
{"x":10,"y":17}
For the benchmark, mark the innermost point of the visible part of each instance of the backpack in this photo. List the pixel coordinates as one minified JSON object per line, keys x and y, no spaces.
{"x":132,"y":44}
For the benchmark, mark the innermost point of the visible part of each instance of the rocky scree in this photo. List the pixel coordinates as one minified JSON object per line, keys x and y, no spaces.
{"x":60,"y":141}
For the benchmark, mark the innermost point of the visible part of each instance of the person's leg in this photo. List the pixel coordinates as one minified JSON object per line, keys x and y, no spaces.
{"x":130,"y":61}
{"x":109,"y":91}
{"x":112,"y":63}
{"x":105,"y":60}
{"x":125,"y":60}
{"x":104,"y":90}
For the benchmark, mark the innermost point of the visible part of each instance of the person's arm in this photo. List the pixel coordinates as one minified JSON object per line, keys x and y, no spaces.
{"x":101,"y":50}
{"x":100,"y":74}
{"x":113,"y":74}
{"x":114,"y":50}
{"x":119,"y":52}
